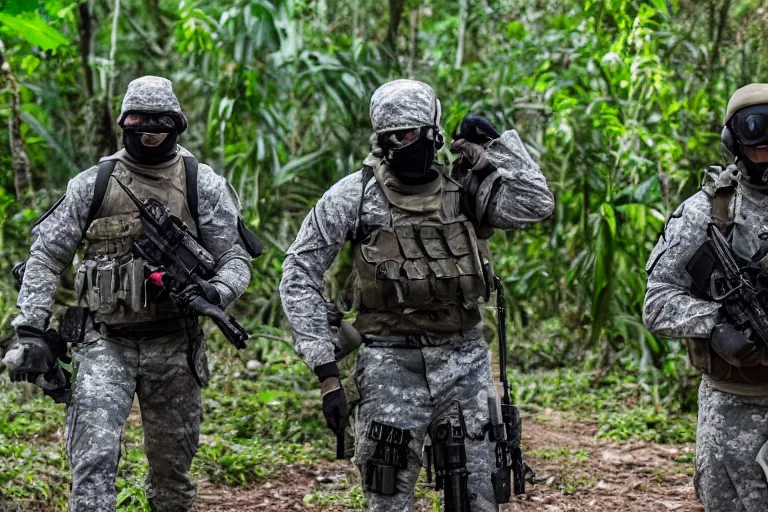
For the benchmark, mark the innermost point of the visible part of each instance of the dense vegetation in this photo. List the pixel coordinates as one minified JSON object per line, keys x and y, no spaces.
{"x":620,"y":101}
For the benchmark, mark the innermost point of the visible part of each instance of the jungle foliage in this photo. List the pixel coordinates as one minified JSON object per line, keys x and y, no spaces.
{"x":620,"y":101}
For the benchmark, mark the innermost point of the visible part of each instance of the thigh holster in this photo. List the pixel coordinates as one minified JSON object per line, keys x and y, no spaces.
{"x":389,"y":457}
{"x":451,"y":465}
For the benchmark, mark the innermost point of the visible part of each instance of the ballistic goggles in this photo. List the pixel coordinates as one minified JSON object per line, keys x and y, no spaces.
{"x":750,"y":125}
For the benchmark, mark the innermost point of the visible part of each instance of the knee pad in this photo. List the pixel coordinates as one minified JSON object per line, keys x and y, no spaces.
{"x":389,"y":456}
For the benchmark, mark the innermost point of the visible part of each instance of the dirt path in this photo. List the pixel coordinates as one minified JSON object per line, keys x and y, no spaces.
{"x":575,"y":472}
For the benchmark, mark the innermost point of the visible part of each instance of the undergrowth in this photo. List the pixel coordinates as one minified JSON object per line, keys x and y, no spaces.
{"x":262,"y":411}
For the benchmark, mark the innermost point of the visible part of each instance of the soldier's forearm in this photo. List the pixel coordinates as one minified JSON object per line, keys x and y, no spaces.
{"x":37,"y":292}
{"x":231,"y":280}
{"x":673,"y":312}
{"x":305,"y":308}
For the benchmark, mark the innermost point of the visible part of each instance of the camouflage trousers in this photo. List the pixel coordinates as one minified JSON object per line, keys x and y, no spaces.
{"x":415,"y":389}
{"x":110,"y":371}
{"x":731,"y":431}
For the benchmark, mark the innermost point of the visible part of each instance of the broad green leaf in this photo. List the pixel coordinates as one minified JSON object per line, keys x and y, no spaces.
{"x":34,"y":30}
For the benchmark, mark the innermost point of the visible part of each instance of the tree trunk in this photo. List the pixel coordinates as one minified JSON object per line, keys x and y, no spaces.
{"x":725,"y":10}
{"x":414,"y":39}
{"x":22,"y":173}
{"x":85,"y":31}
{"x":107,"y":128}
{"x":462,"y":31}
{"x":395,"y":14}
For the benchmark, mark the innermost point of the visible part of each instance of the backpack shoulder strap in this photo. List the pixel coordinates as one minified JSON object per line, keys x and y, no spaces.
{"x":190,"y":169}
{"x":367,"y":174}
{"x":106,"y":168}
{"x":721,"y":202}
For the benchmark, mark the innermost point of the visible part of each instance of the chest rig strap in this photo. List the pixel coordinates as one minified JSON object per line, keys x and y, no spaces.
{"x":721,"y":202}
{"x":107,"y":167}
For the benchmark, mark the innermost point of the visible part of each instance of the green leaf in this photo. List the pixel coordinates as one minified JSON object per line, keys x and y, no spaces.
{"x":18,"y":6}
{"x":34,"y":30}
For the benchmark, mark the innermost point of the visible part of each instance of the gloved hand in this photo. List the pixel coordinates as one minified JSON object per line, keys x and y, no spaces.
{"x":28,"y":353}
{"x":476,"y":130}
{"x":30,"y":357}
{"x":334,"y":314}
{"x":471,"y":139}
{"x":205,"y":290}
{"x":334,"y":398}
{"x":734,"y":346}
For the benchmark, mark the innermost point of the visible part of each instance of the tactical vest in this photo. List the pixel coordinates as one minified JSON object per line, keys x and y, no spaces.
{"x":112,"y":280}
{"x":426,"y":269}
{"x":700,"y":352}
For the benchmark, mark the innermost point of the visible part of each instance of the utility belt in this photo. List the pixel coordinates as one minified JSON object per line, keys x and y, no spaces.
{"x":409,"y":341}
{"x":147,"y":331}
{"x":406,"y":341}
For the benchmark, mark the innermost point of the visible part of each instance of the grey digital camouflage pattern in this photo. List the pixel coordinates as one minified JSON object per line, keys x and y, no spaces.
{"x":670,"y":309}
{"x":151,"y":94}
{"x":110,"y":371}
{"x":731,"y":428}
{"x":404,"y":104}
{"x":409,"y":388}
{"x":731,"y":432}
{"x":412,"y":389}
{"x":521,"y":199}
{"x":56,"y":239}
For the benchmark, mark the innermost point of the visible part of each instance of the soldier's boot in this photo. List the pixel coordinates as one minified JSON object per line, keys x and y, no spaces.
{"x":106,"y":379}
{"x":171,"y":412}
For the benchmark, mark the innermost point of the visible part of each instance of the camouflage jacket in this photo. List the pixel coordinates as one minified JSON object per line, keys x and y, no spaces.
{"x":514,"y":196}
{"x":670,"y":308}
{"x":56,"y":239}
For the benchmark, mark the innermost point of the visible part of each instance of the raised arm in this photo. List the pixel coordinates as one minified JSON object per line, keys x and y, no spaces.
{"x":670,"y":309}
{"x":323,"y":233}
{"x":509,"y":191}
{"x":55,"y":240}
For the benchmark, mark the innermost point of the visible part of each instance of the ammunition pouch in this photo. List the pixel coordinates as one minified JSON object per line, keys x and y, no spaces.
{"x":72,"y":325}
{"x":707,"y":361}
{"x":116,"y":292}
{"x":390,"y":456}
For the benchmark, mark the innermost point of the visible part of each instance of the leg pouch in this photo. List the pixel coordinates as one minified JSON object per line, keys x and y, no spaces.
{"x":389,"y":456}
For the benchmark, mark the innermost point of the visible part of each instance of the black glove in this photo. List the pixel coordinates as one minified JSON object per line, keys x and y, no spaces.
{"x":34,"y":355}
{"x":734,"y":346}
{"x":28,"y":353}
{"x":471,"y":139}
{"x":334,"y":398}
{"x":476,"y":130}
{"x":204,"y":289}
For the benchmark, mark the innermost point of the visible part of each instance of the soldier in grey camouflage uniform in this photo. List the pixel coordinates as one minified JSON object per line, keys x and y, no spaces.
{"x":419,"y":237}
{"x":731,"y":450}
{"x":136,"y":341}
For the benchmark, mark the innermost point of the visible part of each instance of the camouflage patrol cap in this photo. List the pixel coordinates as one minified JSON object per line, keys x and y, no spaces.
{"x":404,"y":104}
{"x":152,"y":95}
{"x":747,"y":96}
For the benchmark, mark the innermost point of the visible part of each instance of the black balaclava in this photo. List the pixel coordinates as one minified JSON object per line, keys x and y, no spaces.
{"x":150,"y":139}
{"x":410,"y":154}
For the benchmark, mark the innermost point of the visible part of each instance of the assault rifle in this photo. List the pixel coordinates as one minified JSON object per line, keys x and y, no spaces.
{"x":716,"y":272}
{"x":168,"y":243}
{"x":505,"y":419}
